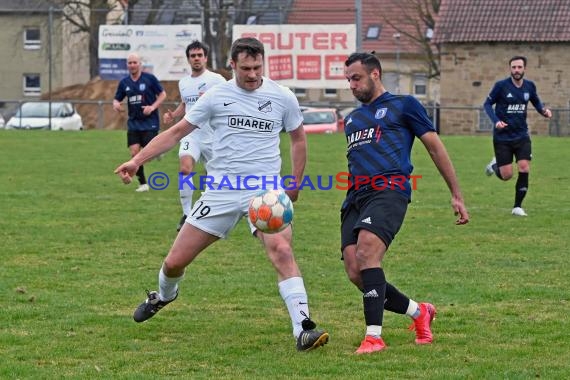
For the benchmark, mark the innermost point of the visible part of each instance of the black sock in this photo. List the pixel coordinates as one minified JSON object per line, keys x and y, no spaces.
{"x":521,"y":188}
{"x":497,"y":171}
{"x":374,"y":283}
{"x":140,"y":175}
{"x":396,"y":302}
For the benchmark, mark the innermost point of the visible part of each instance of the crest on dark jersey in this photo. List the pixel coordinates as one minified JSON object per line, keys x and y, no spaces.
{"x":142,"y":87}
{"x":380,"y":113}
{"x":526,"y":96}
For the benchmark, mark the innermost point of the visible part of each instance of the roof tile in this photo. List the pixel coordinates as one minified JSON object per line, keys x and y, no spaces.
{"x":503,"y":21}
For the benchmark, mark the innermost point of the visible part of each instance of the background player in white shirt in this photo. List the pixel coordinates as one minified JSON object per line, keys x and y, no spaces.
{"x":246,"y":113}
{"x":195,"y":146}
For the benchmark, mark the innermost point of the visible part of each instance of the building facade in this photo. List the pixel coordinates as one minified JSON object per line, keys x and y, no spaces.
{"x":478,"y":38}
{"x":41,"y":52}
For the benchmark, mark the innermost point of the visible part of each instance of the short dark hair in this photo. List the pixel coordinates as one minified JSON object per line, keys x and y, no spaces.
{"x":250,"y":46}
{"x":194,"y":45}
{"x":517,"y":57}
{"x":368,"y":60}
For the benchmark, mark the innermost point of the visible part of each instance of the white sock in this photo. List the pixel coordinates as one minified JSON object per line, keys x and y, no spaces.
{"x":293,"y":292}
{"x":374,"y":330}
{"x":186,"y":200}
{"x":167,"y":286}
{"x":413,"y":309}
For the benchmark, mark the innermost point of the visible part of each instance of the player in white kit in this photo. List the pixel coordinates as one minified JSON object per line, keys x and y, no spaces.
{"x":246,"y":114}
{"x":195,"y":146}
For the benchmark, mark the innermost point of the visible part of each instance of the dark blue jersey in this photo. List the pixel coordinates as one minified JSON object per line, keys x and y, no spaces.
{"x":380,"y":137}
{"x":142,"y":92}
{"x":510,"y":107}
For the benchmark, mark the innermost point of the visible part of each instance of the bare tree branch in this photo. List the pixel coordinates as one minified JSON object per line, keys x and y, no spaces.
{"x":218,"y":15}
{"x":415,"y":18}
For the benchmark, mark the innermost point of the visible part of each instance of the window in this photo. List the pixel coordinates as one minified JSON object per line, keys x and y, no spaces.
{"x":300,"y":92}
{"x":485,"y":124}
{"x":330,"y":92}
{"x":32,"y":39}
{"x":390,"y":82}
{"x":373,"y":32}
{"x":32,"y":85}
{"x":66,"y":110}
{"x":420,"y":85}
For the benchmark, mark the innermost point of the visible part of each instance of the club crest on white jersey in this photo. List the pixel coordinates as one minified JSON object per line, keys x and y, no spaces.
{"x":264,"y":106}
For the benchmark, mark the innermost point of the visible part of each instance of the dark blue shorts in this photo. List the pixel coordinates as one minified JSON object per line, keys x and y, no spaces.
{"x":506,"y":150}
{"x":141,"y":138}
{"x":380,"y":212}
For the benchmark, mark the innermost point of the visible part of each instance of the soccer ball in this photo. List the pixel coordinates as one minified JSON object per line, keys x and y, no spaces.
{"x":271,"y":211}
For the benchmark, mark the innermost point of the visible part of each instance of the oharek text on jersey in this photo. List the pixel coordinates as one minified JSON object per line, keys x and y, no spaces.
{"x":250,"y":123}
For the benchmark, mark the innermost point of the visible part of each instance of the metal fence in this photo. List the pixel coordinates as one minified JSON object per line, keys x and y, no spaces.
{"x":99,"y":114}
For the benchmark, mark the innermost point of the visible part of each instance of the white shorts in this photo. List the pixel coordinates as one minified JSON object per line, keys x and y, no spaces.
{"x":191,"y":145}
{"x":217,"y":212}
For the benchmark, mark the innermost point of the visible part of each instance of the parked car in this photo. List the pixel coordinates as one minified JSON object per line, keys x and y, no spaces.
{"x":344,"y":112}
{"x":320,"y":120}
{"x":35,"y":115}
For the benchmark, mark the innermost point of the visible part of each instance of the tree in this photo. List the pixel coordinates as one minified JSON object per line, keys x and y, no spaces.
{"x":85,"y":16}
{"x":416,"y":20}
{"x":218,"y":17}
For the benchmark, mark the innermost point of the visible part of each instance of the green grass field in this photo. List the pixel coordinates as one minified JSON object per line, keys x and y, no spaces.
{"x":78,"y":249}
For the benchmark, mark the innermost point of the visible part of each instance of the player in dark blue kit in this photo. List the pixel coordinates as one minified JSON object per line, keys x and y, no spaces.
{"x":144,"y":95}
{"x":380,"y":134}
{"x":510,"y":135}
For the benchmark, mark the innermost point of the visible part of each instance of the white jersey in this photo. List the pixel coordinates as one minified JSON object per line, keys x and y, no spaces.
{"x":191,"y":88}
{"x":246,"y":127}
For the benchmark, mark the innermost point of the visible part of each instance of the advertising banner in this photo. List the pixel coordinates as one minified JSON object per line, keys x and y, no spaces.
{"x":161,"y":48}
{"x":304,"y":56}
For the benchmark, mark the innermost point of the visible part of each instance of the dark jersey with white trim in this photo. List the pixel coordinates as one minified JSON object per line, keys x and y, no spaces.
{"x":139,"y":93}
{"x":380,"y":136}
{"x":511,"y":107}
